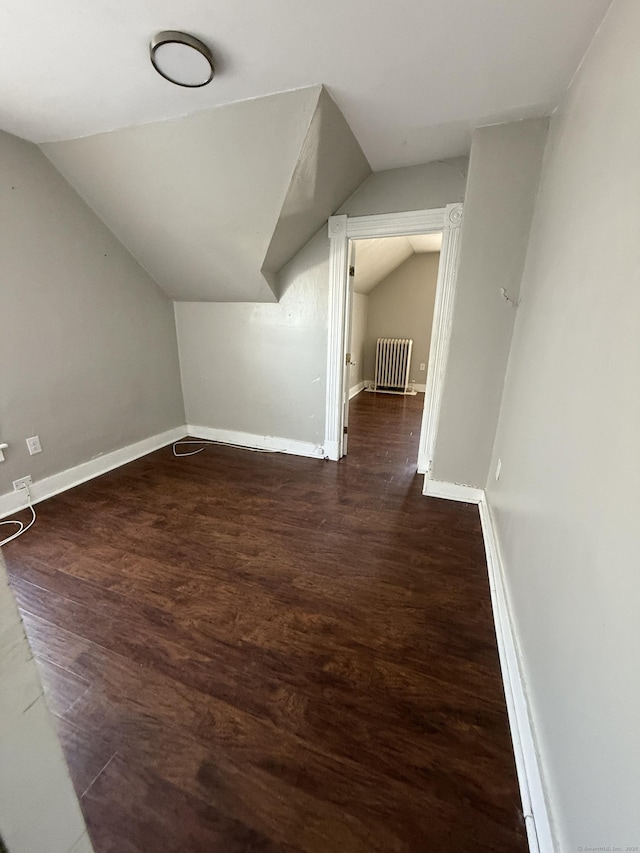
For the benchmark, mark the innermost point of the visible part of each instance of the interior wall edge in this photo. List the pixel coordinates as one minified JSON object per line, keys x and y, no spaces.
{"x":502,"y":190}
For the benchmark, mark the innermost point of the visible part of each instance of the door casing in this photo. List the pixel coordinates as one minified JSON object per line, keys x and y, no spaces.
{"x":344,"y":228}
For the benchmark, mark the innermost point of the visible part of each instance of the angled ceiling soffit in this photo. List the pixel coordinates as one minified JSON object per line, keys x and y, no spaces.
{"x":196,"y":200}
{"x":330,"y":167}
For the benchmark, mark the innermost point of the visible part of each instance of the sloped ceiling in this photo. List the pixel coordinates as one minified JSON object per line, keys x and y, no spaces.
{"x":202,"y":200}
{"x":331,"y":166}
{"x":412,"y":77}
{"x":377,"y":258}
{"x":426,"y":242}
{"x":211,"y":203}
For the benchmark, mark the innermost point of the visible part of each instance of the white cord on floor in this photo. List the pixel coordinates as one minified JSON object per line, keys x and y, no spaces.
{"x":191,"y":452}
{"x":205,"y":443}
{"x":22,"y":527}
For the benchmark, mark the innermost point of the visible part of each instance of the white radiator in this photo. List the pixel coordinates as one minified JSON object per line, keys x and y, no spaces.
{"x":393,"y":363}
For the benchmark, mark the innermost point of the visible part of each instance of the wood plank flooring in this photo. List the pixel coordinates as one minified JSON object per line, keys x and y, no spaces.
{"x":255,"y":652}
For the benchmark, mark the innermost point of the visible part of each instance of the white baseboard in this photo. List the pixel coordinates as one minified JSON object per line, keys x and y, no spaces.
{"x":534,"y":804}
{"x":257,"y":442}
{"x":331,"y":451}
{"x":356,"y":390}
{"x":369,"y":383}
{"x":56,"y":483}
{"x":452,"y":491}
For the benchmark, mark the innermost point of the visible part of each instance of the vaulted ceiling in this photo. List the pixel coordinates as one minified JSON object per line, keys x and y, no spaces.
{"x":411,"y":77}
{"x":213,"y":189}
{"x":377,"y":258}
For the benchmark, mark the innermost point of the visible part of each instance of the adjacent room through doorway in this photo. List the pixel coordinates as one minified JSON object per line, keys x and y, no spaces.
{"x":393,"y":282}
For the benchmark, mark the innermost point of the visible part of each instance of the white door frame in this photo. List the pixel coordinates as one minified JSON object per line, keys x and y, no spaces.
{"x":344,"y":228}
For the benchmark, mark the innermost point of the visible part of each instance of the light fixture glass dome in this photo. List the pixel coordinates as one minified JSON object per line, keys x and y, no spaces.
{"x":181,"y":58}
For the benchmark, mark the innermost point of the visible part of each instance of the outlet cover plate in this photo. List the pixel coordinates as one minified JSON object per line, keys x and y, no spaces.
{"x":33,"y":445}
{"x":22,"y":481}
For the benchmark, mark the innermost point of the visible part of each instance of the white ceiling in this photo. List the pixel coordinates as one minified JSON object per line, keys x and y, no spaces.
{"x":411,"y":77}
{"x":375,"y":259}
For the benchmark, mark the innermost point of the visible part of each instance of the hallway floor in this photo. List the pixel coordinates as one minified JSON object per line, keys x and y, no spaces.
{"x":257,"y":652}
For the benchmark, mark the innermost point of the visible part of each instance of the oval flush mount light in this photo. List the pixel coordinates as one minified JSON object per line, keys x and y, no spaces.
{"x":182,"y":59}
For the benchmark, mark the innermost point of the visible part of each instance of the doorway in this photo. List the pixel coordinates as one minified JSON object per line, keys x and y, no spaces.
{"x":393,"y":282}
{"x":343,"y":230}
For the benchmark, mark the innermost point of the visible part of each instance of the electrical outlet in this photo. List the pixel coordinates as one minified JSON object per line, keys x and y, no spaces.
{"x":498,"y":468}
{"x":22,"y":482}
{"x":423,"y":366}
{"x":34,"y":445}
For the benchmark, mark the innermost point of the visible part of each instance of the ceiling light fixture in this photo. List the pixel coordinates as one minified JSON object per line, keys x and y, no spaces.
{"x":181,"y":59}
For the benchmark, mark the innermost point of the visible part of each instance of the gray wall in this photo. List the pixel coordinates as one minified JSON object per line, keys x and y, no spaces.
{"x":401,"y":306}
{"x":412,"y":188}
{"x":39,"y":812}
{"x":359,"y":317}
{"x":262,"y":368}
{"x":503,"y":180}
{"x":567,"y":504}
{"x":87,"y":339}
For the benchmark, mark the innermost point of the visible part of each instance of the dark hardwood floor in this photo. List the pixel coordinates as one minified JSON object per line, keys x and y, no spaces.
{"x":256,"y":652}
